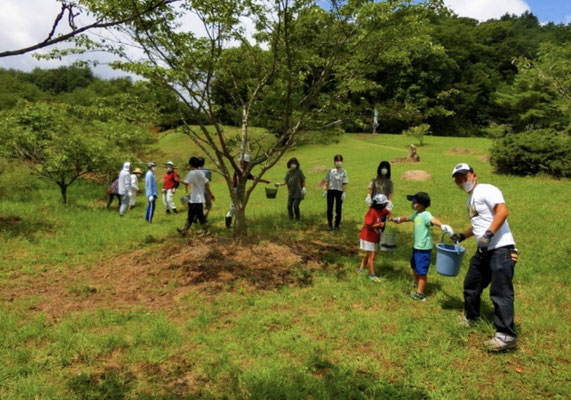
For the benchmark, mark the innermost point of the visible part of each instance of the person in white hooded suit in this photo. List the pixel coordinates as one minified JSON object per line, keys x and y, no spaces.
{"x":124,"y":187}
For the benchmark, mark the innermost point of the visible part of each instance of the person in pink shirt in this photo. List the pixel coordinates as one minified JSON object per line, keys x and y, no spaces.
{"x":371,"y":234}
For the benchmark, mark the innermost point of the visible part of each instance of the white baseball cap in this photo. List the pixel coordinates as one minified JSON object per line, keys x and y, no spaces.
{"x":170,"y":164}
{"x":461,"y":168}
{"x":380,"y":199}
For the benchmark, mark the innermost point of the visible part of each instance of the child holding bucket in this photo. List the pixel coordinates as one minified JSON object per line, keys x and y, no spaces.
{"x":371,"y":235}
{"x":422,"y":241}
{"x":295,"y":181}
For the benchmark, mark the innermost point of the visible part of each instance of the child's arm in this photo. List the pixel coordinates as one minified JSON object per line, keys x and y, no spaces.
{"x":399,"y":220}
{"x":261,"y":180}
{"x":445,"y":228}
{"x":207,"y":187}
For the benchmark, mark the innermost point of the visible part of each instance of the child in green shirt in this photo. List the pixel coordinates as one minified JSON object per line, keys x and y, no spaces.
{"x":422,"y":241}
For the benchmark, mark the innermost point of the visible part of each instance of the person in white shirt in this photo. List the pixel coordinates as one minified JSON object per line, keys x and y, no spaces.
{"x":134,"y":187}
{"x":494,"y":261}
{"x":335,"y":185}
{"x":124,"y":187}
{"x":200,"y":188}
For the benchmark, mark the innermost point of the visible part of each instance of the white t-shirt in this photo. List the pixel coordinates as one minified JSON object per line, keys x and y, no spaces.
{"x":481,"y":203}
{"x":198,"y":181}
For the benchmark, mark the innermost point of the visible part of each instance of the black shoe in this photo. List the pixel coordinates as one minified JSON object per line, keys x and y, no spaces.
{"x":336,"y":229}
{"x":168,"y":211}
{"x":330,"y":229}
{"x":175,"y":211}
{"x":228,"y":222}
{"x":181,"y":231}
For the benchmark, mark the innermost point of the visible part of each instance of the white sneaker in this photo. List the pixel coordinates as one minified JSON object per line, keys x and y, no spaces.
{"x":501,"y":342}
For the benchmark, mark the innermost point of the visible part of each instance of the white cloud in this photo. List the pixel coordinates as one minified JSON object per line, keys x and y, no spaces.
{"x":567,"y":19}
{"x":483,"y":10}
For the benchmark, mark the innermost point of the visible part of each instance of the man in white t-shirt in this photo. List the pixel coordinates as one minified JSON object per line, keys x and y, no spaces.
{"x":200,"y":188}
{"x":494,"y":261}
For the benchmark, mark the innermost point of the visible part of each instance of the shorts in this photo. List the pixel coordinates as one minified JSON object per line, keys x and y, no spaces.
{"x":420,"y":261}
{"x":369,"y":246}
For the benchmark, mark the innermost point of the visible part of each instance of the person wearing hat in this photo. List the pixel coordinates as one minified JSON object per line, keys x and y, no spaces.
{"x":151,"y":191}
{"x":495,"y":259}
{"x":371,"y":233}
{"x":422,"y":240}
{"x":170,"y":183}
{"x":134,"y":187}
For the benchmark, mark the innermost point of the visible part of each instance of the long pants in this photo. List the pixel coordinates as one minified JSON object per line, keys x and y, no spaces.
{"x":150,"y":210}
{"x":293,"y":208}
{"x":168,"y":199}
{"x":124,"y":203}
{"x":195,"y":211}
{"x":494,"y":267}
{"x":334,"y":196}
{"x":110,"y":200}
{"x":132,"y":197}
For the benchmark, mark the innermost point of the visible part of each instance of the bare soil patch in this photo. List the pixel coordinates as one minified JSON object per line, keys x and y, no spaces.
{"x":459,"y":150}
{"x":318,"y":168}
{"x":416,"y":175}
{"x":160,"y":279}
{"x":484,"y":158}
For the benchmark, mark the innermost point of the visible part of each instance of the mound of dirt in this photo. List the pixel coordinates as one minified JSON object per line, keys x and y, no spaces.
{"x":416,"y":175}
{"x":460,"y":150}
{"x":160,"y":279}
{"x":318,"y":168}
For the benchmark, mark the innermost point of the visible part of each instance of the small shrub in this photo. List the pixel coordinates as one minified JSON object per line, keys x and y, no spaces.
{"x":418,"y":132}
{"x":533,"y":152}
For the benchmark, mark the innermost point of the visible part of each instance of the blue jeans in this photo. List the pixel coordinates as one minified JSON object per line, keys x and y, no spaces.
{"x":495,"y":268}
{"x":293,"y":208}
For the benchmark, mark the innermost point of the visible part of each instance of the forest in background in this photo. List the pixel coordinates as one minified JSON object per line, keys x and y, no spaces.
{"x":507,"y":79}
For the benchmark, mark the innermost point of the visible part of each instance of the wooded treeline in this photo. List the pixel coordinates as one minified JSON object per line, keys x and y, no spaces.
{"x":507,"y":78}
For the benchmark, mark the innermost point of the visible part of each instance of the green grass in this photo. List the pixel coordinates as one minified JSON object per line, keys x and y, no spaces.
{"x":334,"y":336}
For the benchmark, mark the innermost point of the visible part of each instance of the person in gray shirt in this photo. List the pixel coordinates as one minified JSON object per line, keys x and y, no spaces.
{"x":335,"y":185}
{"x":295,"y":181}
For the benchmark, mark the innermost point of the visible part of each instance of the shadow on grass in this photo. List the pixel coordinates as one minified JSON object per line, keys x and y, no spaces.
{"x":14,"y":226}
{"x":457,"y":303}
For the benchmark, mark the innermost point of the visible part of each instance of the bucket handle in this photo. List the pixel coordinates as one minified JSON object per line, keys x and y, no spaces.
{"x":457,"y":242}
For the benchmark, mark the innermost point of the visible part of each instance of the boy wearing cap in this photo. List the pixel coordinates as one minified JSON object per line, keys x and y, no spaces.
{"x":422,"y":241}
{"x":494,"y":261}
{"x":170,"y":183}
{"x":151,"y":191}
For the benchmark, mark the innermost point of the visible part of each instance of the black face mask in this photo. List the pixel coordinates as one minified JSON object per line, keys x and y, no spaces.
{"x":379,"y":206}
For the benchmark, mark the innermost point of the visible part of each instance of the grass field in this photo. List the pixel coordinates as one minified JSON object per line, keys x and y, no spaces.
{"x":97,"y":307}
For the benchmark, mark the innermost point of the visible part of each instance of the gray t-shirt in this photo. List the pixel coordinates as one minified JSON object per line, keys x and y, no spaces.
{"x":336,"y":178}
{"x":294,"y":179}
{"x":381,"y":186}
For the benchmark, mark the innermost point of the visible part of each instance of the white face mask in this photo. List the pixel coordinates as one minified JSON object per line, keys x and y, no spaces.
{"x":153,"y":169}
{"x":293,"y":166}
{"x":413,"y":206}
{"x":169,"y":169}
{"x":338,"y":164}
{"x":468,"y":186}
{"x":384,"y":171}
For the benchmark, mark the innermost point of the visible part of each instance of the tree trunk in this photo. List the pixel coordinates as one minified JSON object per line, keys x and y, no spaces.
{"x":240,"y":227}
{"x":63,"y":189}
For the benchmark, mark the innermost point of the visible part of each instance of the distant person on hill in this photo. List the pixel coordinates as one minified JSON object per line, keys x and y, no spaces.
{"x":295,"y":181}
{"x":199,"y":184}
{"x":124,"y":187}
{"x":232,"y":210}
{"x":170,"y":183}
{"x":422,"y":241}
{"x":134,"y":187}
{"x":381,"y":184}
{"x":151,"y":191}
{"x":335,"y":185}
{"x":113,"y":191}
{"x":208,"y":175}
{"x":494,"y":261}
{"x":371,"y":234}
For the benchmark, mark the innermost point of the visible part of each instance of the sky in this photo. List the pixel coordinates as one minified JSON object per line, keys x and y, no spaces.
{"x":22,"y":28}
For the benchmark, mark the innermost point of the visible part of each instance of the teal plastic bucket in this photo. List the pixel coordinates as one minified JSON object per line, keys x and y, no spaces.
{"x":449,"y":258}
